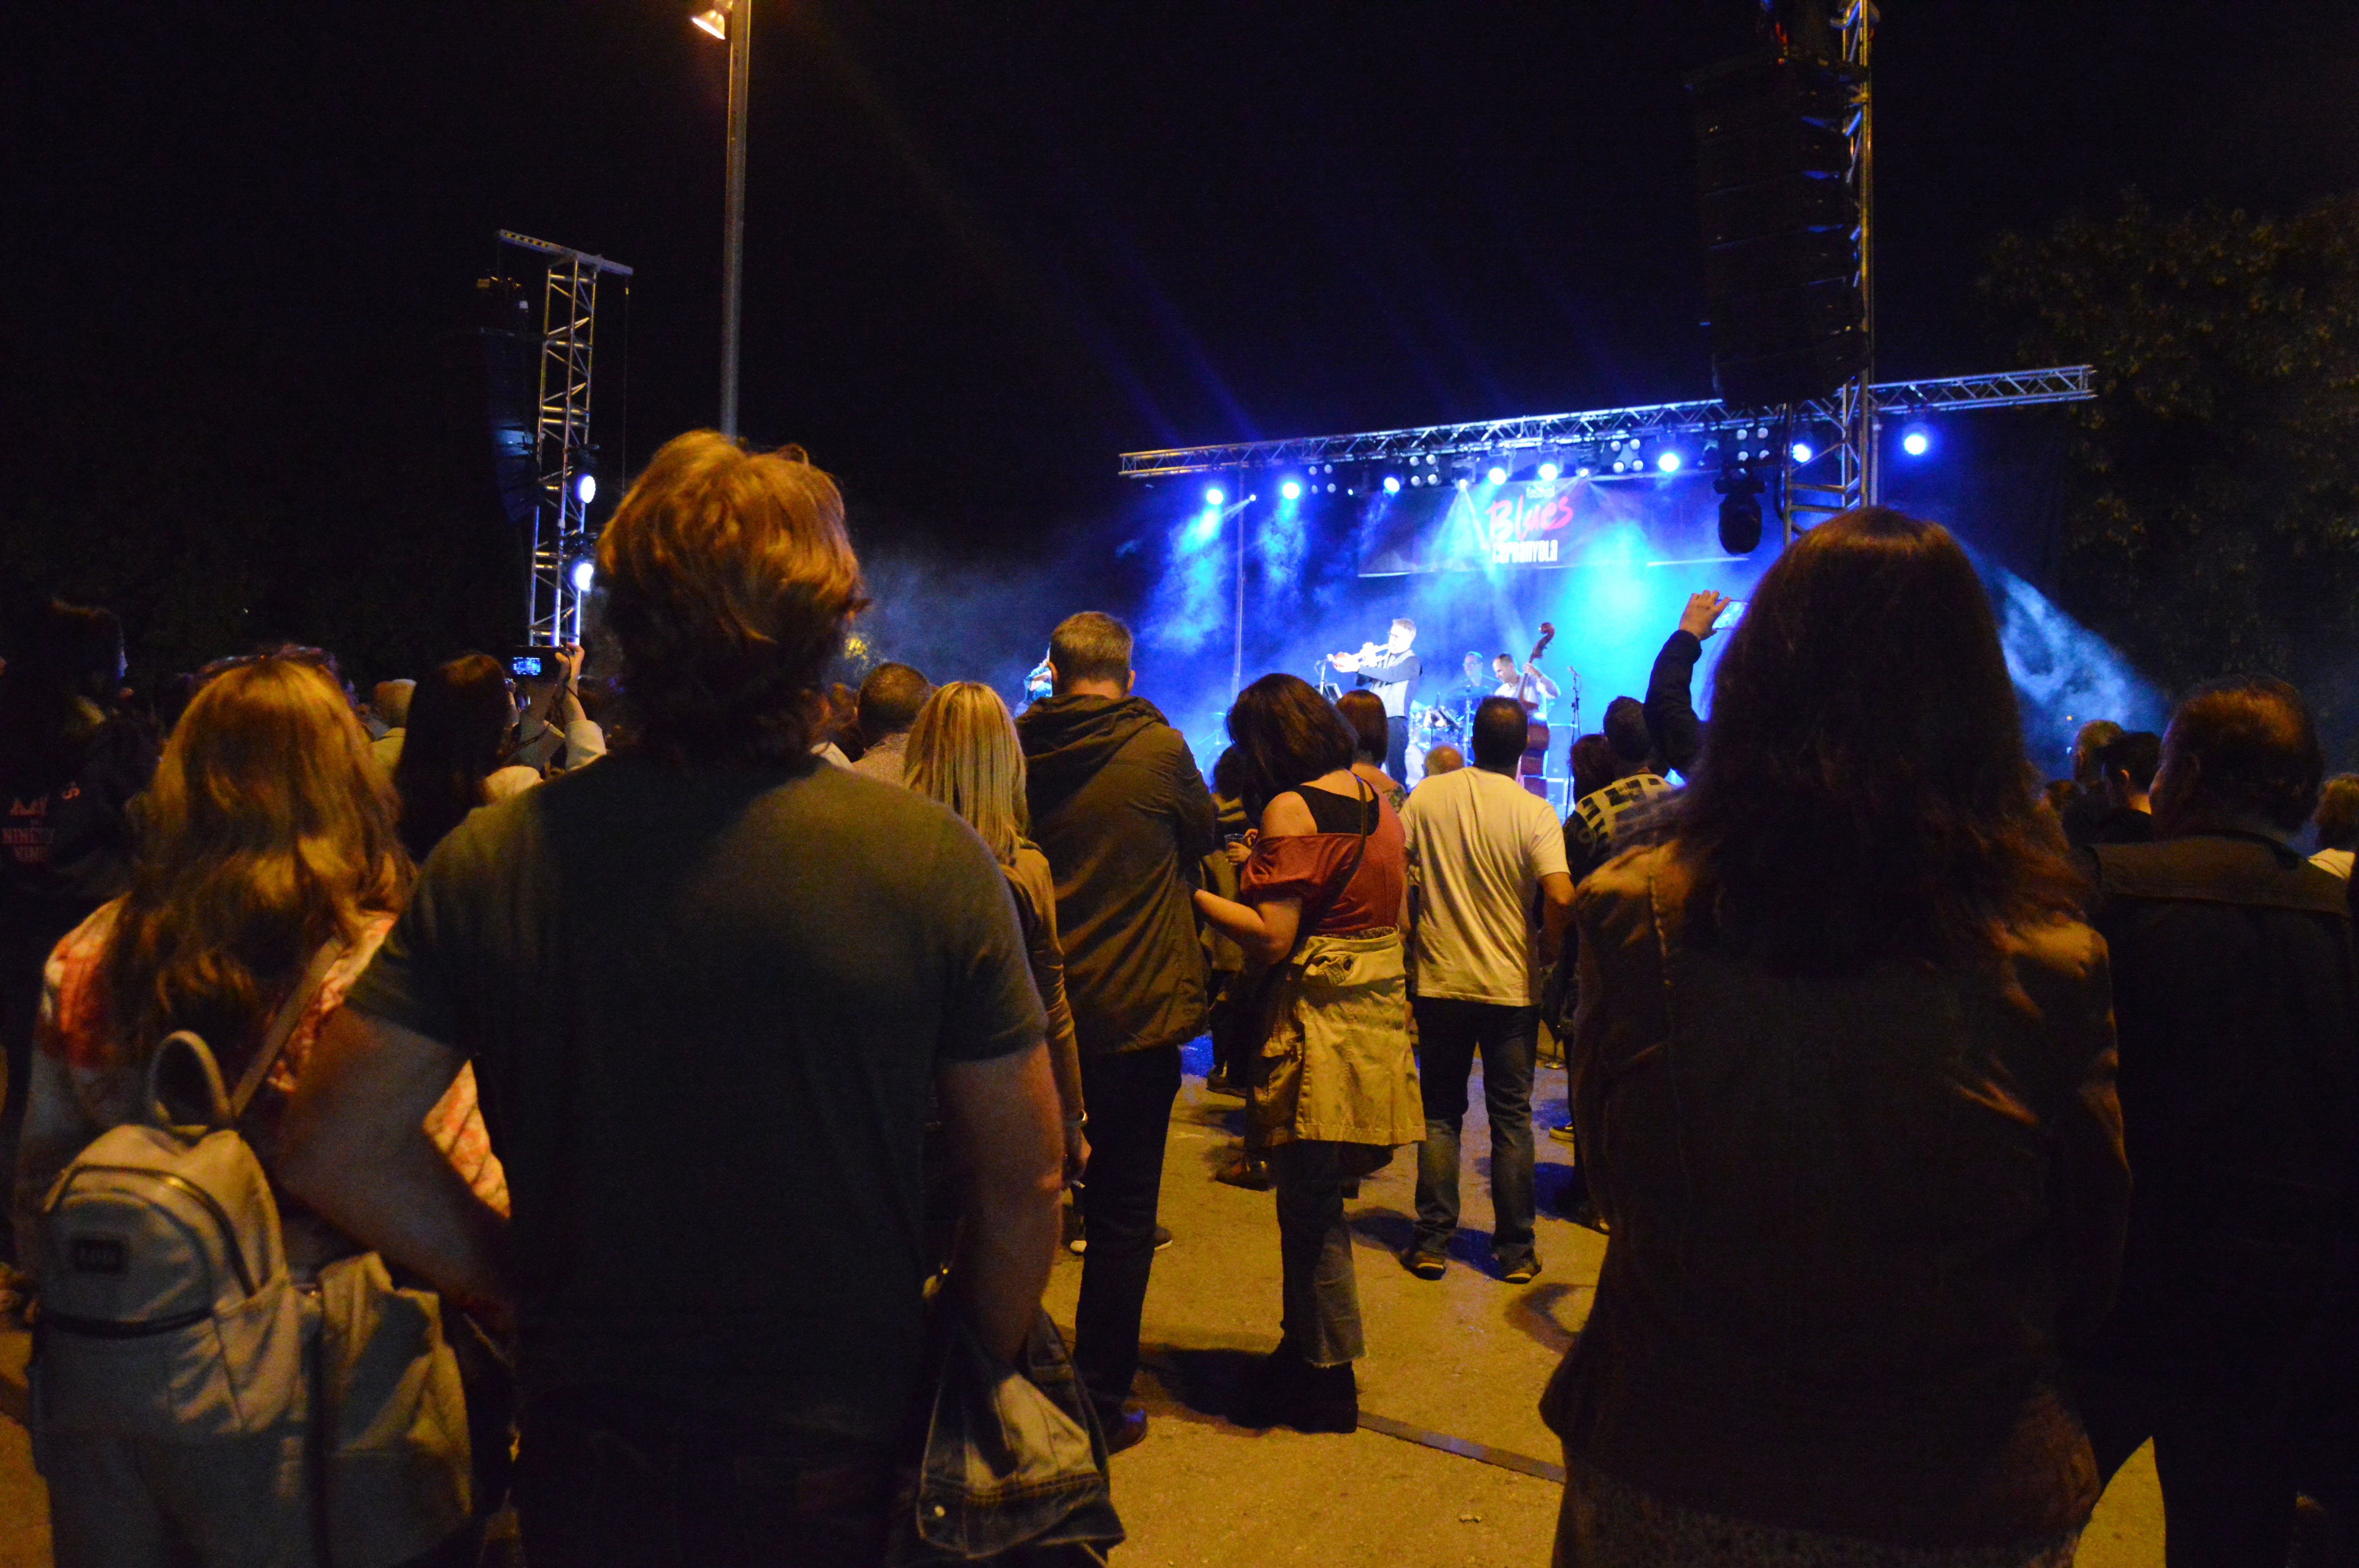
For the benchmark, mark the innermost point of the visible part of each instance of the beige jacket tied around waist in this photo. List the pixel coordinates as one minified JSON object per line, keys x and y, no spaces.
{"x":1336,"y":1065}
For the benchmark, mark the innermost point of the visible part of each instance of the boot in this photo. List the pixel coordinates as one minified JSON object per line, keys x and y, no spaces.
{"x":1286,"y":1391}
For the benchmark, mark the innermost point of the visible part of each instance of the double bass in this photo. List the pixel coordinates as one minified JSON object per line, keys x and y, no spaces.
{"x":1535,"y":733}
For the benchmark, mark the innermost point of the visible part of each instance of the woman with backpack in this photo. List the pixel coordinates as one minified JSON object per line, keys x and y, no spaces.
{"x":1322,"y":900}
{"x":269,"y":834}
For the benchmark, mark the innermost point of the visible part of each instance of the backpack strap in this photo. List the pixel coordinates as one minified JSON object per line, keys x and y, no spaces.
{"x":282,"y":1028}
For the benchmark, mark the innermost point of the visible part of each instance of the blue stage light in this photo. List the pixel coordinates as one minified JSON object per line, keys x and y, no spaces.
{"x":1802,"y":453}
{"x":1668,"y":463}
{"x":1392,"y":485}
{"x":1581,"y":473}
{"x":585,"y":573}
{"x":1291,"y":489}
{"x":1548,"y":472}
{"x":1213,"y":497}
{"x":1497,"y":476}
{"x":1916,"y":443}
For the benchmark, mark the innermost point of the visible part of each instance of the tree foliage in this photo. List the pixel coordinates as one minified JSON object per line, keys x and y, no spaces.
{"x":2212,"y":514}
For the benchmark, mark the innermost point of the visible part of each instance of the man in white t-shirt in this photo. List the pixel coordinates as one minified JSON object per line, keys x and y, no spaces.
{"x":1490,"y":901}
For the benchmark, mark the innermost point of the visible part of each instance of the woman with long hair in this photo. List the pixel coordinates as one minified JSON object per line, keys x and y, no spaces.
{"x":268,"y":832}
{"x":1842,"y":1074}
{"x":963,"y":751}
{"x":1334,"y":1089}
{"x":461,"y":716}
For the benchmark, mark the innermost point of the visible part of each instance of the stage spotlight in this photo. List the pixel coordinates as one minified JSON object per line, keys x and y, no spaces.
{"x":585,"y":572}
{"x":1213,"y":496}
{"x":1498,"y":475}
{"x":1740,"y":521}
{"x":1581,"y":473}
{"x":1619,"y":465}
{"x":1461,"y":484}
{"x":585,"y":488}
{"x":1392,"y":485}
{"x":1668,"y":461}
{"x":714,"y":21}
{"x":1802,"y":452}
{"x":1291,"y":489}
{"x":1916,"y":443}
{"x":1548,"y":472}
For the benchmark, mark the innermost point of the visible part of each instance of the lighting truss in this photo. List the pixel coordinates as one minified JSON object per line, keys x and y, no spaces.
{"x":2009,"y":389}
{"x":560,"y":523}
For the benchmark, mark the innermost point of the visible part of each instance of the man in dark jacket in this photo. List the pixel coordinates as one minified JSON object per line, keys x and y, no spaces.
{"x":1122,"y":813}
{"x":2234,"y":998}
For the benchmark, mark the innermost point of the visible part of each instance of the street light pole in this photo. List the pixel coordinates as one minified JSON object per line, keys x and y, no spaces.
{"x":732,"y":222}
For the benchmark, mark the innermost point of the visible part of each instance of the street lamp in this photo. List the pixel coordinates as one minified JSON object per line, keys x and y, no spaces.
{"x":733,"y":20}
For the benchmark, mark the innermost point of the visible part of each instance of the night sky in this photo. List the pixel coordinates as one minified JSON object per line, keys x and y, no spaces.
{"x":991,"y":246}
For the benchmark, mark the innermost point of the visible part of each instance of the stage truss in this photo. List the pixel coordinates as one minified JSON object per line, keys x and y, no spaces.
{"x":1576,"y":437}
{"x":561,"y":444}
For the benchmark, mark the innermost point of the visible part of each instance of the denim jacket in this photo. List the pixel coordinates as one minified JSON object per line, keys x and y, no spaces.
{"x":1013,"y":1466}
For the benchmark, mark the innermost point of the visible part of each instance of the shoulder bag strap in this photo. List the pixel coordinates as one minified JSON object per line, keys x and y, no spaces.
{"x":1313,"y":913}
{"x":282,"y":1028}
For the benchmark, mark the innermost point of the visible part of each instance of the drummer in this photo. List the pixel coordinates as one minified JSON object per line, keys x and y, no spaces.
{"x":1470,"y":692}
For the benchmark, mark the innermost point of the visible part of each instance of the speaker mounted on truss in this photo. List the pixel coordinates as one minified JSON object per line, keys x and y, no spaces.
{"x":1781,"y":227}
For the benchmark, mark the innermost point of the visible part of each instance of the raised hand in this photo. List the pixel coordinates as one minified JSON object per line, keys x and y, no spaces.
{"x":1701,"y":617}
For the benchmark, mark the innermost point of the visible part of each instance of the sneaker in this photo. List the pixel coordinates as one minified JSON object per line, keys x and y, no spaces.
{"x":1522,"y":1271}
{"x":1218,"y":1082}
{"x":1562,"y":1135}
{"x":1077,"y":1240}
{"x":1425,"y":1263}
{"x":1162,"y":1237}
{"x":1125,"y":1428}
{"x":1247,"y":1172}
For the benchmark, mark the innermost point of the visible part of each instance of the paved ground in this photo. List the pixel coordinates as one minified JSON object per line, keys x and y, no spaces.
{"x":1459,"y":1362}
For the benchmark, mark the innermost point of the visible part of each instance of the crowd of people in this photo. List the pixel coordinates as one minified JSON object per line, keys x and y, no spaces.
{"x":667,"y":1126}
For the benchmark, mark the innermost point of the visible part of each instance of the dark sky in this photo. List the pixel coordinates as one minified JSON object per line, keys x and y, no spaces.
{"x":992,"y":245}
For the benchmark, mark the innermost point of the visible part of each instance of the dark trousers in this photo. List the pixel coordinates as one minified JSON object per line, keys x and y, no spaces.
{"x":1129,"y":1097}
{"x":2217,"y":1395}
{"x":603,"y":1485}
{"x":1396,"y":748}
{"x":1450,"y":1034}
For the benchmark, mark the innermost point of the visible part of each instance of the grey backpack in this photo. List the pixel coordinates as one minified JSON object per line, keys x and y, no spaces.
{"x":166,"y":1309}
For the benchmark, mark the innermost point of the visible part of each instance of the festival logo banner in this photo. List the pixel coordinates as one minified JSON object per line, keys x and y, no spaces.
{"x":1541,"y":523}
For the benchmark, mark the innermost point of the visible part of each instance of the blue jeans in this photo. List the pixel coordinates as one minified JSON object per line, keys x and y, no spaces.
{"x":1450,"y":1034}
{"x":1320,"y":1297}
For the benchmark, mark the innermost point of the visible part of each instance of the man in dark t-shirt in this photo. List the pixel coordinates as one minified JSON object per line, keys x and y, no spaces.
{"x":707,"y":986}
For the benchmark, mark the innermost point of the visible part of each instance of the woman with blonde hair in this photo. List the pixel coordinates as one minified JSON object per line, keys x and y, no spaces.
{"x":963,"y":751}
{"x":269,"y":832}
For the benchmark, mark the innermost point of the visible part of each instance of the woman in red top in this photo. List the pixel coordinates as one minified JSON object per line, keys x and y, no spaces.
{"x":1334,"y":1085}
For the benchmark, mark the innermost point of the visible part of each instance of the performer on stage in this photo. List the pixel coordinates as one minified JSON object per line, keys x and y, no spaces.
{"x":1391,"y":672}
{"x":1531,"y":688}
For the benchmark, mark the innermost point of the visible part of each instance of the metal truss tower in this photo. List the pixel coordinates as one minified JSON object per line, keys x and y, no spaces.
{"x":561,"y":445}
{"x":1844,"y":475}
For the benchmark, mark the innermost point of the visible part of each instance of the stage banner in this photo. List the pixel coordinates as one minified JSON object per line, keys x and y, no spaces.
{"x":1541,"y":523}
